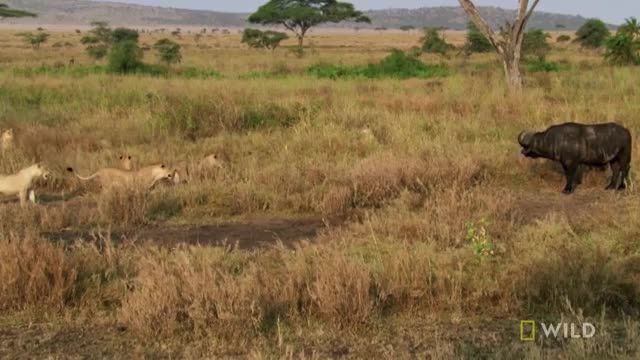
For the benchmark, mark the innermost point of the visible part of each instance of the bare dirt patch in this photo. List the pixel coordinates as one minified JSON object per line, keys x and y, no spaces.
{"x":584,"y":204}
{"x":249,"y":234}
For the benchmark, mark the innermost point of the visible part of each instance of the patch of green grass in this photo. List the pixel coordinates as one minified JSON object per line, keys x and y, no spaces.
{"x":542,"y":65}
{"x":153,"y":70}
{"x":397,"y":65}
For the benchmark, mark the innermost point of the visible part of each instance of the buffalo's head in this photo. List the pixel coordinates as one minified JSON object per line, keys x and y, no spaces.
{"x":526,"y":140}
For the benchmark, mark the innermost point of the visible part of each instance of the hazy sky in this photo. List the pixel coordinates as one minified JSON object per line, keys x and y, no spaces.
{"x":614,"y":11}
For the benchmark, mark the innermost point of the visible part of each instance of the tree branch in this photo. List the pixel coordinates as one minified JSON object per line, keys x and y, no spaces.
{"x":481,"y":24}
{"x":533,"y":7}
{"x":523,"y":16}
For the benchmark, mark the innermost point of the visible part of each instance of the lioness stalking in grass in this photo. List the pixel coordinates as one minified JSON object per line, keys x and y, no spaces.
{"x":20,"y":184}
{"x":126,"y":162}
{"x":6,"y":141}
{"x":185,"y":170}
{"x":147,"y":177}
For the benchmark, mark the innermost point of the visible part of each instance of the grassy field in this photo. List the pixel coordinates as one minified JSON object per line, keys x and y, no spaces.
{"x":431,"y":237}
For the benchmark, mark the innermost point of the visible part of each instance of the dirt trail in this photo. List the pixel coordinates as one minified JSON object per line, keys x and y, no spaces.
{"x":248,"y":234}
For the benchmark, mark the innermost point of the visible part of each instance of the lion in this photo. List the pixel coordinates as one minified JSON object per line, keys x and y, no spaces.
{"x":6,"y":141}
{"x":186,"y":171}
{"x":147,"y":177}
{"x":21,"y":183}
{"x":126,"y":162}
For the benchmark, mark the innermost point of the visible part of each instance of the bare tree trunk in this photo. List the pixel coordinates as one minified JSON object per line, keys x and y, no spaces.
{"x":509,"y":44}
{"x":511,"y":60}
{"x":301,"y":41}
{"x":512,"y":73}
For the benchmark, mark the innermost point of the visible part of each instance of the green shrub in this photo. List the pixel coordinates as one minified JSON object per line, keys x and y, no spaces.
{"x":397,"y":65}
{"x":433,"y":43}
{"x":592,"y":34}
{"x":622,"y":49}
{"x":124,"y":34}
{"x":263,"y":39}
{"x":125,"y":57}
{"x":563,"y":38}
{"x":541,"y":65}
{"x":191,"y":72}
{"x":476,"y":42}
{"x":168,"y":51}
{"x":535,"y":44}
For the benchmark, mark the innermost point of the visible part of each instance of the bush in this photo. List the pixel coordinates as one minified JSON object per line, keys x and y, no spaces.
{"x":535,"y":44}
{"x":541,"y":65}
{"x":563,"y":38}
{"x":592,"y":34}
{"x":125,"y":57}
{"x":476,"y":42}
{"x":432,"y":42}
{"x":397,"y":65}
{"x":191,"y":72}
{"x":168,"y":51}
{"x":35,"y":40}
{"x":123,"y":34}
{"x":263,"y":39}
{"x":622,"y":49}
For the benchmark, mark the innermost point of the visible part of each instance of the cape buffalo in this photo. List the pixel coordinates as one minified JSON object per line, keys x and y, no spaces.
{"x":577,"y":145}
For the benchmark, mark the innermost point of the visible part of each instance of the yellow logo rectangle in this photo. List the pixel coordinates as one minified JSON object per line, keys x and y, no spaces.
{"x":527,"y":336}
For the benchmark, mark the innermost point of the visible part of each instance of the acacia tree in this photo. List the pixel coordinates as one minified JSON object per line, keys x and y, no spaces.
{"x":35,"y":40}
{"x":301,"y":15}
{"x":7,"y":12}
{"x":168,"y":51}
{"x":263,"y":39}
{"x":508,"y":43}
{"x":98,"y":40}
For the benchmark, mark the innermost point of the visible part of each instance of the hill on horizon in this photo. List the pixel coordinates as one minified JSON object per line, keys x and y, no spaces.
{"x":82,"y":12}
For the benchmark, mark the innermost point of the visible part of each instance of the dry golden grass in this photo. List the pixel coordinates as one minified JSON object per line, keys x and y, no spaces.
{"x":413,"y":167}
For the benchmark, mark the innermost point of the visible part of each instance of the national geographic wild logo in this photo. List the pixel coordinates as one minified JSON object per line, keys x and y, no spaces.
{"x":529,"y":329}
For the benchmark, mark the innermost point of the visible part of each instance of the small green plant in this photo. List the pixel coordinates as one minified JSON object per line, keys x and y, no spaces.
{"x":479,"y":239}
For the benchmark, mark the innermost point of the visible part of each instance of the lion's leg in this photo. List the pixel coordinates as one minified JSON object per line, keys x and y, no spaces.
{"x":23,"y":197}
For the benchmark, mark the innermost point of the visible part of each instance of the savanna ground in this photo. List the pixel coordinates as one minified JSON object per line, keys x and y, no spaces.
{"x":399,"y":218}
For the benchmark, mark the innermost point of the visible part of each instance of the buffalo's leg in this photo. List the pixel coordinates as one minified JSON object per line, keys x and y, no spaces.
{"x":624,"y":176}
{"x":571,"y":173}
{"x":625,"y":167}
{"x":615,"y":175}
{"x":579,"y":174}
